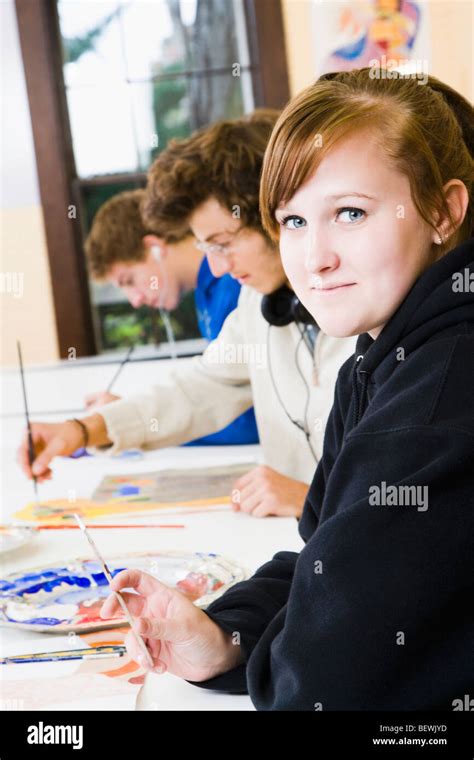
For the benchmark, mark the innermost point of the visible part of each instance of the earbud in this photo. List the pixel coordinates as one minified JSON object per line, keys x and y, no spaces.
{"x":156,"y":252}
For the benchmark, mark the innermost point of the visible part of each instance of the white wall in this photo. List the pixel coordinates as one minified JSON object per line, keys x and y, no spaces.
{"x":25,"y":291}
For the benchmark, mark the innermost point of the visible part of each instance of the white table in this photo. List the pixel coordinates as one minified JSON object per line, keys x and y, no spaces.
{"x":249,"y":540}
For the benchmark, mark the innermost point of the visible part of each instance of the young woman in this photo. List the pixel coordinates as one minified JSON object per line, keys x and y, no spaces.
{"x":368,"y":182}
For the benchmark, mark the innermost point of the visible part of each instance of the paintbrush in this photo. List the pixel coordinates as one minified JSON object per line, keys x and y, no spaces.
{"x":31,"y":448}
{"x":88,"y":653}
{"x":117,"y":594}
{"x":104,"y":527}
{"x":120,"y":368}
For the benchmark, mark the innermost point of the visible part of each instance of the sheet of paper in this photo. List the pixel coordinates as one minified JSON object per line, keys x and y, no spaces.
{"x":125,"y":494}
{"x":171,"y":486}
{"x":103,"y":684}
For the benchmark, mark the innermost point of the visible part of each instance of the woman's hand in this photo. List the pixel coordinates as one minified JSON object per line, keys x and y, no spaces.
{"x":180,"y":637}
{"x":263,"y":491}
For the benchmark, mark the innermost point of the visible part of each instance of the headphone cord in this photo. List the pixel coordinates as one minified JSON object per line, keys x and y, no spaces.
{"x":164,"y":313}
{"x":303,"y":427}
{"x":308,"y":389}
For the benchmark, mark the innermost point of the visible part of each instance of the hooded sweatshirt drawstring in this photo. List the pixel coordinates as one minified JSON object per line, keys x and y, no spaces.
{"x":360,"y":395}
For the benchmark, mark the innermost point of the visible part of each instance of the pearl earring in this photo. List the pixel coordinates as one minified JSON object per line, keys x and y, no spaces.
{"x":440,"y":240}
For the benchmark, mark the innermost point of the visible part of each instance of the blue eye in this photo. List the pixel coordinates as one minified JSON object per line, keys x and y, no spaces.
{"x":298,"y":222}
{"x":351,"y":211}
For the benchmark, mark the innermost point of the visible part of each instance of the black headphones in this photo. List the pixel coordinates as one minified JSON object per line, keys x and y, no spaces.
{"x":282,"y":307}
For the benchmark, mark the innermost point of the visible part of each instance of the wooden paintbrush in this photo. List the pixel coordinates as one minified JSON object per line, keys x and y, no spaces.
{"x":120,"y":368}
{"x":87,"y":653}
{"x":106,"y":527}
{"x":31,"y":448}
{"x":117,"y":594}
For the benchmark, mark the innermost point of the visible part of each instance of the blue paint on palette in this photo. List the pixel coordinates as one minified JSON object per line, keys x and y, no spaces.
{"x":39,"y":621}
{"x":48,"y":586}
{"x":85,"y":579}
{"x":6,"y":586}
{"x":47,"y":581}
{"x":69,"y":596}
{"x":128,"y":490}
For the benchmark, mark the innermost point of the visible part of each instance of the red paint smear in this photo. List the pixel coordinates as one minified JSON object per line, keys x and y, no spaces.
{"x":193,"y":586}
{"x":137,"y":679}
{"x":129,"y":667}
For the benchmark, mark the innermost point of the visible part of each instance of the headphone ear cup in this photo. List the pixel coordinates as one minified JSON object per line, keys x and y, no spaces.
{"x":300,"y":313}
{"x":277,"y":307}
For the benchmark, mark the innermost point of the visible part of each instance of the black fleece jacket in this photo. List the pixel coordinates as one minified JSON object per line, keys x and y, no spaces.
{"x":377,"y":610}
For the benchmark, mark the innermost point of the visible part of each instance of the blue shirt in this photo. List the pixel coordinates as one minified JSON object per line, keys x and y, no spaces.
{"x":215,"y":298}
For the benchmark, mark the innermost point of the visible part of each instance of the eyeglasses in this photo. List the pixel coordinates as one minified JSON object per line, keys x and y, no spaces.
{"x":217,"y":249}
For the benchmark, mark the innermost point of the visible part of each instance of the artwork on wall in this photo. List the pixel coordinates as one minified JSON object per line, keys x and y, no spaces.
{"x":385,"y":33}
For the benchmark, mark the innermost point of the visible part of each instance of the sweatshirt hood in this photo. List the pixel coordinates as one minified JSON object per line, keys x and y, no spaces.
{"x":442,"y":296}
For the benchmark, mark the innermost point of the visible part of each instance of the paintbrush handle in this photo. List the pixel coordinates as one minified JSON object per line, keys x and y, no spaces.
{"x":116,"y":650}
{"x":119,"y":369}
{"x":103,"y":527}
{"x":118,"y":595}
{"x":31,"y":448}
{"x":138,"y":638}
{"x":62,"y":658}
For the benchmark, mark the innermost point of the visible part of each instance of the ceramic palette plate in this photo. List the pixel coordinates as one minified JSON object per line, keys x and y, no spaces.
{"x":12,"y":537}
{"x":64,"y":597}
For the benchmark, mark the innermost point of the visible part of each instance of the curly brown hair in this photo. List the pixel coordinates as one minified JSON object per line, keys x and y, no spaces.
{"x":223,"y":160}
{"x":116,"y":234}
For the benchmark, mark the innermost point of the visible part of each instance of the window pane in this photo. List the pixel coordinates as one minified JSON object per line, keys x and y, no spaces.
{"x":160,"y":111}
{"x":94,"y":196}
{"x":139,"y":73}
{"x":148,"y":38}
{"x":220,"y":96}
{"x":102,"y":130}
{"x":188,"y":35}
{"x":120,"y":325}
{"x":91,"y":42}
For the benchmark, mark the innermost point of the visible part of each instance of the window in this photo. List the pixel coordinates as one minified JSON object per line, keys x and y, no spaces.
{"x":123,"y":77}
